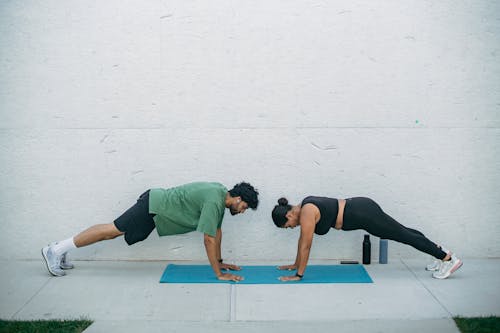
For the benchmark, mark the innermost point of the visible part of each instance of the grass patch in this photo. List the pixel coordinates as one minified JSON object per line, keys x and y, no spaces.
{"x":478,"y":324}
{"x":465,"y":325}
{"x":44,"y":326}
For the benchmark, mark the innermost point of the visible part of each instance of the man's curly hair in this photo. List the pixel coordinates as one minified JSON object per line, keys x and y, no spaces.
{"x":247,"y":194}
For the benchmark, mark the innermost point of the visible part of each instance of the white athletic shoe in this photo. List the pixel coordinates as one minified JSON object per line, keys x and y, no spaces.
{"x":52,"y":261}
{"x":448,"y":267}
{"x":435,"y":265}
{"x":65,"y":263}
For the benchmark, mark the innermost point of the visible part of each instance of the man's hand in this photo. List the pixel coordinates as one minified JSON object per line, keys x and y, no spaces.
{"x":226,"y":267}
{"x":289,"y":278}
{"x":230,"y":277}
{"x":287,"y":267}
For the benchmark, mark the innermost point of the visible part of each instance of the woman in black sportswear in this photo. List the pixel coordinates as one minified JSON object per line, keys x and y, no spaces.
{"x":316,"y":215}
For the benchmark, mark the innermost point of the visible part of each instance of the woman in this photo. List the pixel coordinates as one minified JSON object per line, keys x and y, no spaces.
{"x":316,"y":215}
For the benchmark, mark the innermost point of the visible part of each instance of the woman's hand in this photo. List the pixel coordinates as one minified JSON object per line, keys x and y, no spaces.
{"x":230,"y":277}
{"x":287,"y":267}
{"x":290,"y":278}
{"x":230,"y":267}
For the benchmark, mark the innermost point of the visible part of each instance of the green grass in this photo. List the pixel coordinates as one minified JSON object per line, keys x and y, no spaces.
{"x":44,"y":326}
{"x":478,"y":325}
{"x":465,"y":325}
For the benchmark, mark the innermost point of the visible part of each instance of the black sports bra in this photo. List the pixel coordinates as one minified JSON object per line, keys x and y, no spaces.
{"x":328,"y":208}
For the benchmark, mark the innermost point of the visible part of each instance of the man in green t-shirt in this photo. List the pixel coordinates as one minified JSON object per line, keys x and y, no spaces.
{"x":196,"y":206}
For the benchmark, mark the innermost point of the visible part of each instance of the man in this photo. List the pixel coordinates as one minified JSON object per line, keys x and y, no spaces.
{"x":196,"y":206}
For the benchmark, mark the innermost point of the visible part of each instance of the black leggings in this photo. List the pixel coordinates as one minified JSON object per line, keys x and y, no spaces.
{"x":366,"y":214}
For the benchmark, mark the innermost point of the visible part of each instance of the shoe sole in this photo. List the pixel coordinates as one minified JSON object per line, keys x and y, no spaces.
{"x":67,"y":267}
{"x":44,"y":255}
{"x":432,"y":270}
{"x":64,"y":265}
{"x":452,"y":270}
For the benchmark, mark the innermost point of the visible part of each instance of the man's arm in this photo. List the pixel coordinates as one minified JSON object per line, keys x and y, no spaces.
{"x":218,"y":239}
{"x":212,"y":249}
{"x":225,"y":266}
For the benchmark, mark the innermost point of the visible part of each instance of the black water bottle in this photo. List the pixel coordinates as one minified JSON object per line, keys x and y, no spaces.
{"x":367,"y":250}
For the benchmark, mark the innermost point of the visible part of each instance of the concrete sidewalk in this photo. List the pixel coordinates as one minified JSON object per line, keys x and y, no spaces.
{"x":126,"y":297}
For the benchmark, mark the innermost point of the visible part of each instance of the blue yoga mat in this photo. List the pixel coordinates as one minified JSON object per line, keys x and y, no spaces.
{"x":267,"y":274}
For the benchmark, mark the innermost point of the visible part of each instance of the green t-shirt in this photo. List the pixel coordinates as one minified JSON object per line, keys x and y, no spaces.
{"x":195,"y":206}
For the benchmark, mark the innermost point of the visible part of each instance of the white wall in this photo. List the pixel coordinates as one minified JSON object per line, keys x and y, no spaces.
{"x":395,"y":100}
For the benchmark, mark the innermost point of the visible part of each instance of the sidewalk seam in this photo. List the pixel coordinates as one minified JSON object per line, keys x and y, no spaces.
{"x":232,"y":303}
{"x":428,"y":290}
{"x":31,"y":298}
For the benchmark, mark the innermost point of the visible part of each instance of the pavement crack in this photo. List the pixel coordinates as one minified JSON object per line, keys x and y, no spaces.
{"x":428,"y":290}
{"x":232,"y":304}
{"x":31,"y":298}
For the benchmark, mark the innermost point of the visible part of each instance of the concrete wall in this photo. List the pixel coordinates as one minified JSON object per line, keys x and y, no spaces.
{"x":395,"y":100}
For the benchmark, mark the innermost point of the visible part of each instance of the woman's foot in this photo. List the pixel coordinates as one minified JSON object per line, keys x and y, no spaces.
{"x":448,"y":267}
{"x":435,"y":265}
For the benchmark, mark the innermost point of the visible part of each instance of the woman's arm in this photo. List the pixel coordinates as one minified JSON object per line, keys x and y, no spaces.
{"x":294,"y":265}
{"x":307,"y":224}
{"x":297,"y":258}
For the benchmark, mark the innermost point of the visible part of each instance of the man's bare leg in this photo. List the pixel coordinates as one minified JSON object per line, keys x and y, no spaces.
{"x":55,"y":254}
{"x":97,"y":233}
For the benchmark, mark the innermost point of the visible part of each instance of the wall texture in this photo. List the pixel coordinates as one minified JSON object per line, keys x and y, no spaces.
{"x":395,"y":100}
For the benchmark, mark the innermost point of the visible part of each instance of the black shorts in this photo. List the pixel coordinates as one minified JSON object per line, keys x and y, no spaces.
{"x":137,"y":223}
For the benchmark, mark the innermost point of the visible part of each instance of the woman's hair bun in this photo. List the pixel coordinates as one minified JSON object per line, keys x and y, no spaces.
{"x":282,"y":202}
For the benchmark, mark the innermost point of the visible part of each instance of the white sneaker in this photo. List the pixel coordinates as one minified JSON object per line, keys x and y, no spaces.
{"x":65,"y":263}
{"x":435,"y":265}
{"x":52,"y":261}
{"x":448,"y":267}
